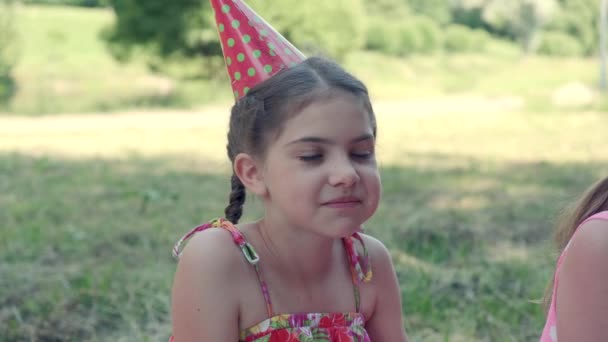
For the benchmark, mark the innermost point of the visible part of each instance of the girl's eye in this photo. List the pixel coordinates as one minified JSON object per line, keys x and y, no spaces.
{"x":311,"y":157}
{"x":362,"y":155}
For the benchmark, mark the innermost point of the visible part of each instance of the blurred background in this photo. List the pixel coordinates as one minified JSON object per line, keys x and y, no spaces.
{"x":113,"y":114}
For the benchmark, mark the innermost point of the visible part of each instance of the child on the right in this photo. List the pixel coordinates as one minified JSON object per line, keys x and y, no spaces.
{"x":578,"y":296}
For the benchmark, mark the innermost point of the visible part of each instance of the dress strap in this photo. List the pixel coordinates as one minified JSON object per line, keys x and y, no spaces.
{"x":248,"y":252}
{"x":360,"y":266}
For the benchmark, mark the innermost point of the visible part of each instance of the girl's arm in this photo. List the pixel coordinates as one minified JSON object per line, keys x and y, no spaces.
{"x":386,"y":321}
{"x":582,"y":293}
{"x":204,"y":303}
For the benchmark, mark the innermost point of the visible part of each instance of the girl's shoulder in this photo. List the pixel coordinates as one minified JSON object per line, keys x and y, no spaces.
{"x":592,"y":236}
{"x":380,"y":257}
{"x":374,"y":246}
{"x":206,"y":286}
{"x":213,"y":250}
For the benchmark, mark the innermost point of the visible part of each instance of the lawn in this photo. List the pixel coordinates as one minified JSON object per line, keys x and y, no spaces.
{"x":475,"y":160}
{"x":92,"y":204}
{"x":62,"y":69}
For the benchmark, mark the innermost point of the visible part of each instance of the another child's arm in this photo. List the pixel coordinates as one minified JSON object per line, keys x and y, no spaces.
{"x":582,"y":294}
{"x":386,"y":321}
{"x":204,"y":304}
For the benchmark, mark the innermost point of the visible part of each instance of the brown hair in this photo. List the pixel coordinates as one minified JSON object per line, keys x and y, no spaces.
{"x":266,"y":107}
{"x":593,"y":201}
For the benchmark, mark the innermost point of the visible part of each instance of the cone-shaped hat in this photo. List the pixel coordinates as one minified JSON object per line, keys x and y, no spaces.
{"x":253,"y":50}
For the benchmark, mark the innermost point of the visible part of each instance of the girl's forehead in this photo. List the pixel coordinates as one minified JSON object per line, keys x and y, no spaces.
{"x":336,"y":115}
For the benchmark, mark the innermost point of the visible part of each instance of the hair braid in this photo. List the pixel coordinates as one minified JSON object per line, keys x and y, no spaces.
{"x":234,"y":210}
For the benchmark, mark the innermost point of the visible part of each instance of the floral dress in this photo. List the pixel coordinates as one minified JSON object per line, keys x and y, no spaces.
{"x":302,"y":327}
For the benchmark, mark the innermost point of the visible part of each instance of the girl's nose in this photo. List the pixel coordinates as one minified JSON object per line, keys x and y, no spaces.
{"x":343,"y":174}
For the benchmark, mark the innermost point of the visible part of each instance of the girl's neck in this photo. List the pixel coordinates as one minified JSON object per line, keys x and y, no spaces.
{"x":296,"y":251}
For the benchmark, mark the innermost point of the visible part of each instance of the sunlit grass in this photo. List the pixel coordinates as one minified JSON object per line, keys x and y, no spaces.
{"x":92,"y":204}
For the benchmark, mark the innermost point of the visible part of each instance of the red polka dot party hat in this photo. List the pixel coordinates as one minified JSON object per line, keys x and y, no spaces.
{"x":253,"y":50}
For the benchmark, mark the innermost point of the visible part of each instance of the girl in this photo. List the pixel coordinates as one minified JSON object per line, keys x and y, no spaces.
{"x":303,"y":142}
{"x":301,"y":138}
{"x":578,"y":296}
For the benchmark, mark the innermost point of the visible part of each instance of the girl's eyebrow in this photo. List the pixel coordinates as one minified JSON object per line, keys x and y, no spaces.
{"x":325,"y":141}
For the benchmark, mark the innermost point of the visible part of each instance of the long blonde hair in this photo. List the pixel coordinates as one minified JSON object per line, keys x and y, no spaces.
{"x":593,"y":201}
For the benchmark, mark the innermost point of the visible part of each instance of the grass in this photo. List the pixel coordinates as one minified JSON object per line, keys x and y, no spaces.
{"x":92,"y":205}
{"x":63,"y":69}
{"x":66,"y":67}
{"x":474,"y":159}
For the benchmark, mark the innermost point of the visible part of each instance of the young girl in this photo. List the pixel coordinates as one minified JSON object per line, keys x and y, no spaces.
{"x":579,"y":298}
{"x":303,"y":142}
{"x":301,"y":138}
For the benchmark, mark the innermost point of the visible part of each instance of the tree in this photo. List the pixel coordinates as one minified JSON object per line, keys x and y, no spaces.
{"x":317,"y":26}
{"x":187,"y":29}
{"x":388,"y":9}
{"x":8,"y":50}
{"x":163,"y":28}
{"x":580,"y":20}
{"x":521,"y":19}
{"x":438,"y":10}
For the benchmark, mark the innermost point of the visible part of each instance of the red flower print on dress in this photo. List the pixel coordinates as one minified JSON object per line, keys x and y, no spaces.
{"x":283,"y":335}
{"x":332,"y":321}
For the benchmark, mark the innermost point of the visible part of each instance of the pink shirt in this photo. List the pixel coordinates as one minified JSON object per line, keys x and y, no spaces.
{"x":550,"y":330}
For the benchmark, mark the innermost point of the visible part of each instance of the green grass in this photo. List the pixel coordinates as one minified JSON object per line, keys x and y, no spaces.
{"x":474,"y":158}
{"x":91,"y":206}
{"x":65,"y":67}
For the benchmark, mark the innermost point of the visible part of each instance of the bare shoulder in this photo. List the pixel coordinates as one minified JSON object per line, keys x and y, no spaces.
{"x":210,"y":254}
{"x":591,"y":240}
{"x":582,"y":296}
{"x":204,"y":304}
{"x":382,"y":265}
{"x":212,"y":247}
{"x":385,"y":320}
{"x":378,"y":252}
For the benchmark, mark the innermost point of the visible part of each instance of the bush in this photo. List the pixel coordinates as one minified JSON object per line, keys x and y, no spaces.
{"x":459,"y":38}
{"x":381,"y":36}
{"x":416,"y":34}
{"x":559,"y":44}
{"x":334,"y":27}
{"x":8,"y":51}
{"x":430,"y":34}
{"x":317,"y":26}
{"x":439,"y":11}
{"x":81,"y":3}
{"x":580,"y":20}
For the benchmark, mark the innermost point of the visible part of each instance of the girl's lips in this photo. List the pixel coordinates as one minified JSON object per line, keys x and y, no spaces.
{"x":344,"y":202}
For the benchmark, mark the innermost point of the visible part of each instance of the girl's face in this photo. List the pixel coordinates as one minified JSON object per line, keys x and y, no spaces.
{"x":320,"y":173}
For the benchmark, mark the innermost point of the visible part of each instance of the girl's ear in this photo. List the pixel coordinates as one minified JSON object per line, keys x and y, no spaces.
{"x":249,"y":171}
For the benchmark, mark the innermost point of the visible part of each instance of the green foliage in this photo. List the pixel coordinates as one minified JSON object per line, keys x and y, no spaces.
{"x":388,"y":9}
{"x":414,"y":35}
{"x":459,"y":38}
{"x":580,"y":20}
{"x":468,"y":13}
{"x":8,"y":51}
{"x":381,"y":36}
{"x":430,"y":33}
{"x":180,"y":27}
{"x":80,"y":3}
{"x":187,"y":29}
{"x":332,"y":28}
{"x":520,"y":19}
{"x":438,"y":10}
{"x":559,"y":44}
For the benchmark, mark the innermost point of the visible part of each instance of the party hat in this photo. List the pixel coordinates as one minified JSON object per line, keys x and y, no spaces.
{"x":253,"y":50}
